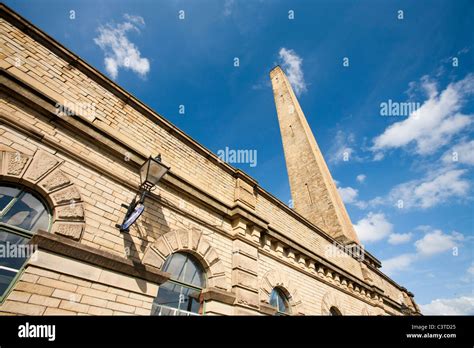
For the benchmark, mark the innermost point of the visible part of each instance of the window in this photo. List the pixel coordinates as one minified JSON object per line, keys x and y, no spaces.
{"x":334,"y":311}
{"x":21,"y":215}
{"x":181,"y":294}
{"x":279,"y":301}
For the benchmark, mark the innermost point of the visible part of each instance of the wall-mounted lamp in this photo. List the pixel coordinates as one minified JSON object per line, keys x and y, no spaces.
{"x":150,"y":173}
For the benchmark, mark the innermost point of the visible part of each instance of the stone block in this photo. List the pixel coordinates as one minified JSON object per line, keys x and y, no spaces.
{"x":244,"y":248}
{"x":172,"y":240}
{"x":244,"y":262}
{"x":153,"y":259}
{"x":41,"y":164}
{"x":244,"y":279}
{"x":15,"y":163}
{"x":55,"y":180}
{"x":246,"y":297}
{"x":67,"y":195}
{"x":195,"y":237}
{"x":73,"y":211}
{"x":70,"y":230}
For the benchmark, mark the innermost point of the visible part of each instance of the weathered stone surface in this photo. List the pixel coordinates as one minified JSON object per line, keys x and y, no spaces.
{"x":313,"y":191}
{"x":267,"y":309}
{"x":212,"y":257}
{"x":73,"y":211}
{"x":68,"y":195}
{"x":172,"y":240}
{"x":216,"y":294}
{"x":70,"y":230}
{"x":195,"y":236}
{"x":153,"y":259}
{"x":244,"y":248}
{"x":203,"y":247}
{"x":183,"y":236}
{"x":245,"y":193}
{"x":162,"y":247}
{"x":246,"y":297}
{"x":15,"y":162}
{"x":55,"y":180}
{"x":219,"y":282}
{"x":217,"y":268}
{"x":367,"y":274}
{"x":245,"y":279}
{"x":244,"y":262}
{"x":42,"y":163}
{"x":2,"y":155}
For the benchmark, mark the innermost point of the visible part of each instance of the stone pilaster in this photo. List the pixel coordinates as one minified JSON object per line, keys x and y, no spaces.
{"x":244,"y":269}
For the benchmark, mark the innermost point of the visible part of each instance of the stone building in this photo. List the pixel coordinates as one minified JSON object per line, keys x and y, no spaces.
{"x":210,"y":241}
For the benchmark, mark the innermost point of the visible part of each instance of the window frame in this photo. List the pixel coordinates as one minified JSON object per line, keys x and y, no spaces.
{"x":281,"y":293}
{"x":189,"y":256}
{"x":4,"y":227}
{"x":335,"y":312}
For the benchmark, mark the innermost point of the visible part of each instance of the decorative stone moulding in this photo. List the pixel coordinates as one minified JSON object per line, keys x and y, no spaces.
{"x":332,"y":299}
{"x":42,"y":173}
{"x":277,"y":248}
{"x":277,"y":279}
{"x":194,"y":242}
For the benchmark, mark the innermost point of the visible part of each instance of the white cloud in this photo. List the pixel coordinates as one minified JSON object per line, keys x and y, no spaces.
{"x":463,"y":305}
{"x":291,"y":62}
{"x":228,"y":4}
{"x":460,"y":153}
{"x":378,"y":156}
{"x":397,"y":263}
{"x":434,"y":123}
{"x":342,"y":148}
{"x":348,"y":194}
{"x":435,"y":189}
{"x":433,"y":242}
{"x":373,"y":227}
{"x":119,"y":52}
{"x":436,"y":242}
{"x":361,"y":178}
{"x":399,"y":238}
{"x":469,"y":276}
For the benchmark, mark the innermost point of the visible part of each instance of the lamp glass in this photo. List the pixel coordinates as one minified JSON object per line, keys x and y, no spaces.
{"x":152,"y":171}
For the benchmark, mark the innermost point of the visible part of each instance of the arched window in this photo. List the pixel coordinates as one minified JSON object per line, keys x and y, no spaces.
{"x":181,"y":294}
{"x":22,"y":214}
{"x":279,"y":300}
{"x":334,"y":311}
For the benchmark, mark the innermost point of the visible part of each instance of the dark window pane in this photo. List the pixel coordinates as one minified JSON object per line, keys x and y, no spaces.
{"x":15,"y":250}
{"x":192,"y":273}
{"x":182,"y":296}
{"x":27,"y":213}
{"x":185,"y":268}
{"x":278,"y":300}
{"x":6,"y":195}
{"x":6,"y":277}
{"x":178,"y":296}
{"x":174,"y":265}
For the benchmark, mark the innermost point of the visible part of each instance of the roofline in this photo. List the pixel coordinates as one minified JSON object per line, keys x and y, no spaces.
{"x":56,"y":47}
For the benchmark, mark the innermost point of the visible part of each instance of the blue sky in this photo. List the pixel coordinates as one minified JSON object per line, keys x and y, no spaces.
{"x":425,"y":58}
